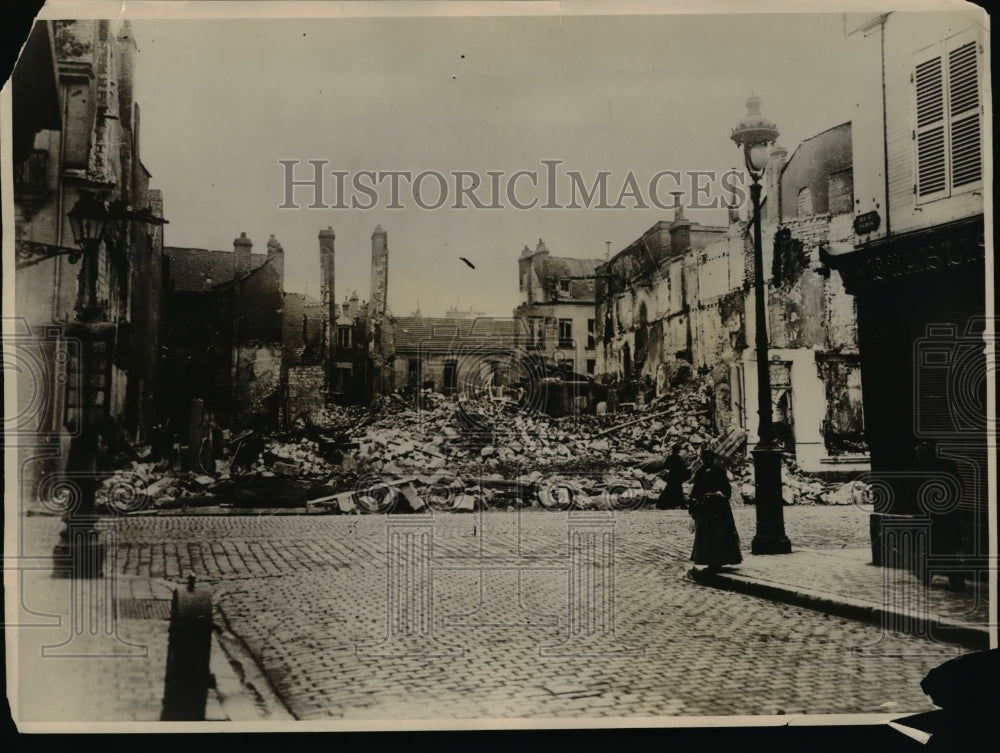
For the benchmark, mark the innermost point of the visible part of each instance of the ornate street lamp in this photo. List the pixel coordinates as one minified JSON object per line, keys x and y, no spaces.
{"x":754,"y":134}
{"x":80,"y":551}
{"x":88,"y":220}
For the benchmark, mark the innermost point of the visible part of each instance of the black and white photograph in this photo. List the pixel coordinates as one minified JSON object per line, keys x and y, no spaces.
{"x":500,"y":365}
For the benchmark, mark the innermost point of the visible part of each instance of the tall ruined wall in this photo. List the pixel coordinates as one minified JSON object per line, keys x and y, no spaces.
{"x":305,"y":391}
{"x":807,"y":306}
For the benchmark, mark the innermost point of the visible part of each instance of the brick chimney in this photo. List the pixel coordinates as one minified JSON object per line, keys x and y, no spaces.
{"x":276,"y":255}
{"x":241,"y":256}
{"x":680,"y":230}
{"x":326,"y":289}
{"x":380,"y":273}
{"x":326,"y":257}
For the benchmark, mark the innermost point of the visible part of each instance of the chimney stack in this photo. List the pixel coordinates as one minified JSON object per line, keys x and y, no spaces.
{"x":274,"y":246}
{"x":680,"y":228}
{"x":326,"y":289}
{"x":276,"y":255}
{"x":380,"y":274}
{"x":241,"y":256}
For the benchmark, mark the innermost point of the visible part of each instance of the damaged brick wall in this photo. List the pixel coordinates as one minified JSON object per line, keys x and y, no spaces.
{"x":812,"y":326}
{"x":797,"y":300}
{"x":303,"y":324}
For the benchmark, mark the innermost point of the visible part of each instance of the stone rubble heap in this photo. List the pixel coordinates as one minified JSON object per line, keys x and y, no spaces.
{"x":457,"y":455}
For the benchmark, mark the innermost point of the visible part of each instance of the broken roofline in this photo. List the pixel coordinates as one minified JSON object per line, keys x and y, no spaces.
{"x":660,"y":226}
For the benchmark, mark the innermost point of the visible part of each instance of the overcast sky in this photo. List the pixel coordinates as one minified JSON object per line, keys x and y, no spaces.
{"x":223,"y":101}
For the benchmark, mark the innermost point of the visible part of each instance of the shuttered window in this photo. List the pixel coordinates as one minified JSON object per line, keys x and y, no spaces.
{"x":948,"y":128}
{"x":931,"y":170}
{"x":963,"y":102}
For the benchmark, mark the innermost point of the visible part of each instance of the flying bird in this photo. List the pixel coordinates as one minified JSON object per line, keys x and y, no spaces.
{"x":471,"y":265}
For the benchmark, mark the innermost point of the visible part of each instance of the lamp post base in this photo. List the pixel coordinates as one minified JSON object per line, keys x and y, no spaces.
{"x":770,"y":536}
{"x":81,"y":551}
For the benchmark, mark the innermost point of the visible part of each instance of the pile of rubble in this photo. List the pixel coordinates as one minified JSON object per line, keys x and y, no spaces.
{"x":146,"y":486}
{"x":439,"y":492}
{"x":498,"y":435}
{"x":440,"y":453}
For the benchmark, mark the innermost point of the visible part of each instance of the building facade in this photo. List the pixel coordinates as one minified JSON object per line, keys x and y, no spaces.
{"x":915,"y":258}
{"x":476,"y":357}
{"x":678,"y":302}
{"x":76,"y":133}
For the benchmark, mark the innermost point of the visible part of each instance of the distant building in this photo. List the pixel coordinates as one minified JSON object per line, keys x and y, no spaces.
{"x":456,"y":356}
{"x":556,"y":312}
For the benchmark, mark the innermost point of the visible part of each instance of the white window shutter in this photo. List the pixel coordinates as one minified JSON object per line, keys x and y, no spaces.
{"x":932,"y":169}
{"x":963,"y":111}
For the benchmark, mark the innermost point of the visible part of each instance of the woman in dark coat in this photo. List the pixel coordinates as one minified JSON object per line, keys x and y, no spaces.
{"x":672,"y":497}
{"x":716,"y":541}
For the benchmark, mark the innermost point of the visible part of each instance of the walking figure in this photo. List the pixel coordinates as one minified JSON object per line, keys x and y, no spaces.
{"x":716,"y":541}
{"x":672,"y":497}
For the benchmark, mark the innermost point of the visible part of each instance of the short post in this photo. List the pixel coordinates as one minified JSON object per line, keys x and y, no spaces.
{"x":185,"y":692}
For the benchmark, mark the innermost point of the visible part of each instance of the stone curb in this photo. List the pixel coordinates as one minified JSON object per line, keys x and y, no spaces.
{"x":969,"y":636}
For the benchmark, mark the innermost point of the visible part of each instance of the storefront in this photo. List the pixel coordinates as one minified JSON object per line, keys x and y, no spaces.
{"x":921,"y":324}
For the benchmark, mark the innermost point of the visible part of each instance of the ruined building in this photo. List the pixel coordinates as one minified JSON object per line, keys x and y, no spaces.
{"x":646,"y":331}
{"x":679,"y":301}
{"x":238,"y":341}
{"x":812,"y":322}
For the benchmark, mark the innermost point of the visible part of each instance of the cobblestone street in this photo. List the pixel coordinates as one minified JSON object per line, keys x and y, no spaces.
{"x":492,"y":615}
